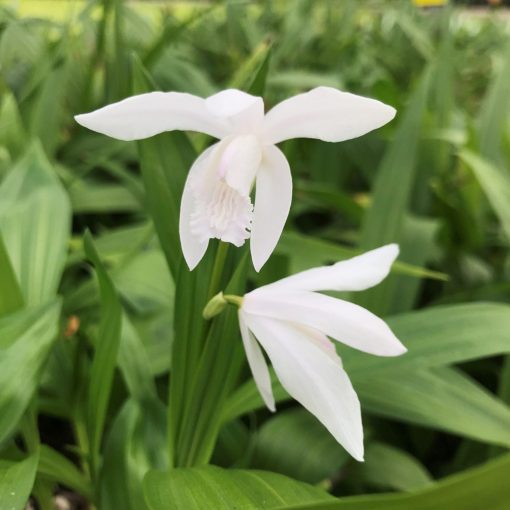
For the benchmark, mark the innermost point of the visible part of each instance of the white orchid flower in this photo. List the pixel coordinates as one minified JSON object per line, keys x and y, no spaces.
{"x":292,"y":323}
{"x":216,"y":201}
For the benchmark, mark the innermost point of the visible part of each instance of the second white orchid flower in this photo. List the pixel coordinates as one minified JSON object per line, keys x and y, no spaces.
{"x":216,"y":202}
{"x":292,"y":323}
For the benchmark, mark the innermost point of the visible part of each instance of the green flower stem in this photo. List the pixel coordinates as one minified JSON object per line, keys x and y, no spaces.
{"x":232,"y":299}
{"x":217,"y":272}
{"x":207,"y":375}
{"x":187,"y":390}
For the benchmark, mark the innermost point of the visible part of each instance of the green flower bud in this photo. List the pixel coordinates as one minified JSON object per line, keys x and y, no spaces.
{"x":215,"y":306}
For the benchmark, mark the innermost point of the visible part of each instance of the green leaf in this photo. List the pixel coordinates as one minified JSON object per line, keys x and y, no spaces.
{"x":46,"y":114}
{"x":26,"y":338}
{"x":251,"y":76}
{"x":96,"y":198}
{"x":119,"y":479}
{"x":16,"y":482}
{"x":35,"y":225}
{"x":11,"y":298}
{"x":12,"y":133}
{"x":483,"y":487}
{"x":393,"y":182}
{"x":211,"y":375}
{"x":440,"y":398}
{"x":214,"y":488}
{"x":294,"y":443}
{"x":307,"y":251}
{"x":57,"y":468}
{"x":144,"y":282}
{"x":259,"y":80}
{"x":190,"y":331}
{"x":495,"y":182}
{"x":439,"y":336}
{"x":391,"y":468}
{"x":247,"y":398}
{"x":494,"y":110}
{"x":416,"y":246}
{"x":135,"y":444}
{"x":134,"y":363}
{"x":105,"y":356}
{"x":392,"y":191}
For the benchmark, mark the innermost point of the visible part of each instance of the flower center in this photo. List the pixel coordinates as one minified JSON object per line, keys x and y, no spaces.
{"x":221,"y":212}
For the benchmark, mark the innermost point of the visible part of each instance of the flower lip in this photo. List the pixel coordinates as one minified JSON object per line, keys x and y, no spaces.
{"x":222,"y":213}
{"x":222,"y":207}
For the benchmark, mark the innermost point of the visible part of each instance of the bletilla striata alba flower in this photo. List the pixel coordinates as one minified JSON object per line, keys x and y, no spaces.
{"x":216,"y":202}
{"x":292,"y":323}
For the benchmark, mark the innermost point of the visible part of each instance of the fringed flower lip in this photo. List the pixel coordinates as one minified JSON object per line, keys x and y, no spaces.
{"x":216,"y":201}
{"x":292,"y":323}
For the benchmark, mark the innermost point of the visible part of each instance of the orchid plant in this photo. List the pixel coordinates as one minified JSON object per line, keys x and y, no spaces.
{"x":289,"y":318}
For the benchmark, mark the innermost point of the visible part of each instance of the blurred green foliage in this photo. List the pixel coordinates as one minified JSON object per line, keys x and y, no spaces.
{"x":85,"y":353}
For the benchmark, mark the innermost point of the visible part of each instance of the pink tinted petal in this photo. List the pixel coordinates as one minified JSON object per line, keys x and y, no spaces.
{"x":314,"y":376}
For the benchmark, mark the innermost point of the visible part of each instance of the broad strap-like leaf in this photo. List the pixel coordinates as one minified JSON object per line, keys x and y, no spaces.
{"x":106,"y":348}
{"x":392,"y":191}
{"x":35,"y":219}
{"x":494,"y":180}
{"x":439,"y":336}
{"x":16,"y":482}
{"x":441,"y":398}
{"x":485,"y":486}
{"x":11,"y":298}
{"x":26,"y":338}
{"x":215,"y":488}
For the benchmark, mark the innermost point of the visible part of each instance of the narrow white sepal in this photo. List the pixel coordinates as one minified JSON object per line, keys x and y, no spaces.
{"x":257,"y":364}
{"x":354,"y":274}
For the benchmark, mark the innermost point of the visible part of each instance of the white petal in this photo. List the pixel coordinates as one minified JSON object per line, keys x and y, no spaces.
{"x":358,"y":273}
{"x":192,"y":248}
{"x":145,"y":115}
{"x":230,"y":102}
{"x":346,"y":322}
{"x":273,"y":197}
{"x":244,"y":112}
{"x":257,"y":364}
{"x":327,"y":114}
{"x":240,"y":161}
{"x":313,"y":375}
